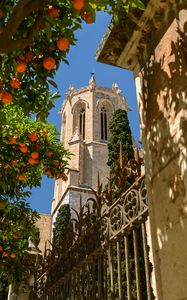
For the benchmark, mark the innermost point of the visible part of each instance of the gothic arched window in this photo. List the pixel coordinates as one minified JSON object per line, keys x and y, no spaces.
{"x":103,"y":124}
{"x":82,"y":123}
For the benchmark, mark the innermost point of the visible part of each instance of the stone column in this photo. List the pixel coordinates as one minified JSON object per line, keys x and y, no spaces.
{"x":162,"y":98}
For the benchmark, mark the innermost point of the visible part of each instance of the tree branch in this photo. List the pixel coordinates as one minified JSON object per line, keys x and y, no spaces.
{"x":23,"y":9}
{"x":20,"y":44}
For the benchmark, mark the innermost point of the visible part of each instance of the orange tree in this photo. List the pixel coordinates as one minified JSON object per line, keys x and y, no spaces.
{"x":35,"y":37}
{"x":14,"y":241}
{"x":28,"y":150}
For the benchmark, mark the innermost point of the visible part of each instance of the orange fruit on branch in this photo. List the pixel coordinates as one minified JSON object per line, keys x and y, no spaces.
{"x":6,"y":97}
{"x":49,"y":153}
{"x":13,"y":255}
{"x":1,"y":248}
{"x":49,"y":63}
{"x":63,"y":44}
{"x":21,"y":67}
{"x":13,"y":162}
{"x":88,"y":17}
{"x":20,"y":177}
{"x":33,"y":137}
{"x":78,"y":4}
{"x":24,"y":149}
{"x":34,"y":155}
{"x":28,"y":56}
{"x":5,"y":254}
{"x":22,"y":144}
{"x":31,"y":161}
{"x":15,"y":83}
{"x":12,"y":140}
{"x":48,"y":172}
{"x":53,"y":12}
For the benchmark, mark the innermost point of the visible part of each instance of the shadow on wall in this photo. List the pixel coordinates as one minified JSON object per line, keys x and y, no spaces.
{"x":163,"y":111}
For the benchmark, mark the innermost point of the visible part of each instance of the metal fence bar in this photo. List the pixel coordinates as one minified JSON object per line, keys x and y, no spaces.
{"x":119,"y":270}
{"x":99,"y":278}
{"x":127,"y":265}
{"x":111,"y":271}
{"x":137,"y":267}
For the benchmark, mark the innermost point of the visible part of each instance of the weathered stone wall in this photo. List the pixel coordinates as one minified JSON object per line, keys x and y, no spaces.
{"x":44,"y":226}
{"x":162,"y":96}
{"x":153,"y":44}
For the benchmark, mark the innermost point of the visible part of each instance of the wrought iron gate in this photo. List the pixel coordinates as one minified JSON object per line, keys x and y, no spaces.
{"x":109,"y":258}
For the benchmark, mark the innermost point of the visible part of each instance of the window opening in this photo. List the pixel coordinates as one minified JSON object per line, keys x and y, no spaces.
{"x":103,"y":124}
{"x":82,"y":123}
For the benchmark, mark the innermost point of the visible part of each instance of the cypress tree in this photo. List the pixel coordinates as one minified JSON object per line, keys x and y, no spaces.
{"x":63,"y":230}
{"x":120,"y":132}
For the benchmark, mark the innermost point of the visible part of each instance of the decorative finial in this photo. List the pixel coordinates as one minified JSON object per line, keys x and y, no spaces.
{"x":115,"y":88}
{"x":92,"y":81}
{"x":71,"y":88}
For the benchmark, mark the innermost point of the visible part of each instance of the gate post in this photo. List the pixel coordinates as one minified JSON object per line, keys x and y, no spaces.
{"x":155,"y":49}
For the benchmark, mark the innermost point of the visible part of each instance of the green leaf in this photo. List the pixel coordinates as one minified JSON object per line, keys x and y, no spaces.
{"x":53,"y":83}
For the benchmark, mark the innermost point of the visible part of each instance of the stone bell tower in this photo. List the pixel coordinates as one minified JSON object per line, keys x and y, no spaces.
{"x":85,"y":118}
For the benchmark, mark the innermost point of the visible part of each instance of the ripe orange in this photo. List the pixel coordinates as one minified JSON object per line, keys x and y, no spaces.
{"x":1,"y":248}
{"x":48,"y":172}
{"x":15,"y":83}
{"x":49,"y":153}
{"x":1,"y":13}
{"x":24,"y":149}
{"x":37,"y":146}
{"x":53,"y":12}
{"x":12,"y":140}
{"x":49,"y":63}
{"x":34,"y":155}
{"x":78,"y":4}
{"x":28,"y":56}
{"x":31,"y":161}
{"x":13,"y":255}
{"x":33,"y":137}
{"x":13,"y":162}
{"x":5,"y":254}
{"x":21,"y":67}
{"x":6,"y":97}
{"x":6,"y":166}
{"x":88,"y":18}
{"x":22,"y":144}
{"x":21,"y":177}
{"x":63,"y":44}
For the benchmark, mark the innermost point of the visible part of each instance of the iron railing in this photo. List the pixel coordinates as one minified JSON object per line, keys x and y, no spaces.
{"x":109,"y":257}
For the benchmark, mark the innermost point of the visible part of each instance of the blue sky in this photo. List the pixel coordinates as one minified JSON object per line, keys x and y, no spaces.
{"x":81,"y":64}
